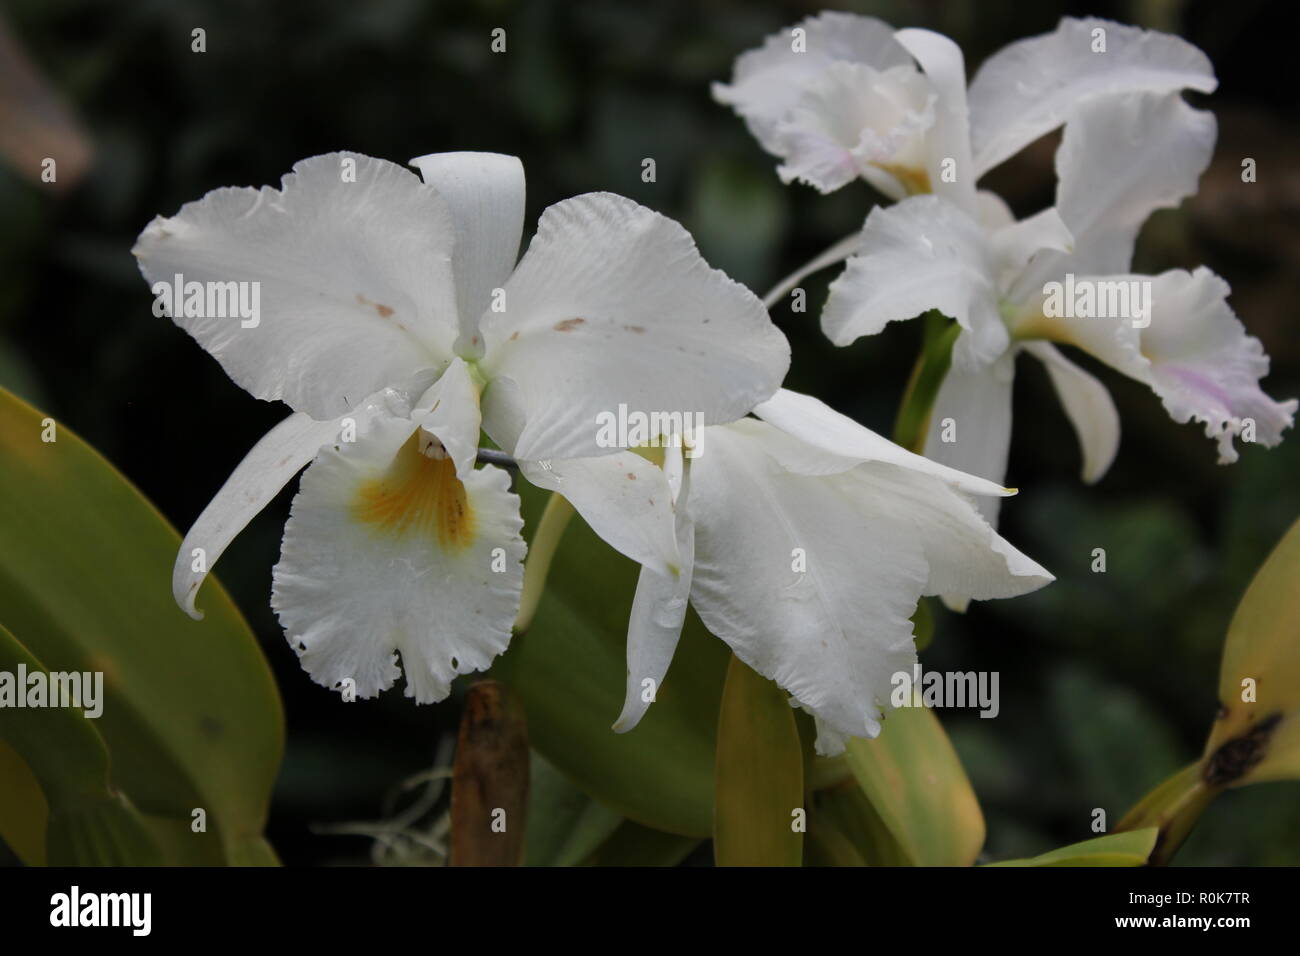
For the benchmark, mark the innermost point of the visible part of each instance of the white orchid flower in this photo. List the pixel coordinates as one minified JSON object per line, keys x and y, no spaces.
{"x":806,"y":542}
{"x":396,"y":323}
{"x":837,"y":98}
{"x":840,"y":97}
{"x":1119,"y":160}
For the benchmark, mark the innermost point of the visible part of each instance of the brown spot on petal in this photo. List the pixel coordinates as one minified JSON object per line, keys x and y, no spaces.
{"x":631,"y":476}
{"x":418,"y":495}
{"x":634,"y":328}
{"x":383,"y":310}
{"x":568,"y":325}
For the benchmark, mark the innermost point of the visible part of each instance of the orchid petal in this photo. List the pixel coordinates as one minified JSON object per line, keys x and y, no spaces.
{"x":270,"y":465}
{"x":1017,"y":243}
{"x":448,"y":412}
{"x":966,"y":557}
{"x":829,"y":443}
{"x":973,"y":409}
{"x":834,"y":567}
{"x":1087,"y":405}
{"x":659,"y":607}
{"x":949,"y":138}
{"x":1119,"y":161}
{"x":1203,"y":364}
{"x":351,"y":263}
{"x":1032,"y":86}
{"x":613,"y":305}
{"x":854,"y":120}
{"x":768,"y":81}
{"x":832,"y":633}
{"x":1107,"y":329}
{"x":625,"y":499}
{"x":923,"y":253}
{"x":485,"y":192}
{"x":388,"y":553}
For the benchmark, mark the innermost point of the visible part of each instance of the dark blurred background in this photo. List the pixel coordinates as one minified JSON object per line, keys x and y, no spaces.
{"x":1107,"y":680}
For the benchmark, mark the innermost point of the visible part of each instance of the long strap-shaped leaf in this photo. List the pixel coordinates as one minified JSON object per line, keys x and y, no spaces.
{"x":1113,"y":849}
{"x":919,"y":790}
{"x":191,"y":716}
{"x":758,"y":812}
{"x":88,"y":823}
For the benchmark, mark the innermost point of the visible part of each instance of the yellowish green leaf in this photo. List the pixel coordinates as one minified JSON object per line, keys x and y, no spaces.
{"x":23,"y":811}
{"x":1257,"y":734}
{"x":88,"y":822}
{"x":191,"y":716}
{"x":1114,"y":849}
{"x":915,"y":782}
{"x":759,"y":816}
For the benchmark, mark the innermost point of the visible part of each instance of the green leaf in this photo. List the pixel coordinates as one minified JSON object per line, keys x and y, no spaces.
{"x":1173,"y":808}
{"x":88,"y":823}
{"x":927,"y":376}
{"x":634,"y":845}
{"x":847,"y":812}
{"x":565,"y":826}
{"x":570,"y":670}
{"x":833,"y":817}
{"x":1256,"y":737}
{"x":191,"y":715}
{"x":915,"y":782}
{"x":23,"y":810}
{"x":759,"y":774}
{"x":103,"y":832}
{"x":1113,"y":849}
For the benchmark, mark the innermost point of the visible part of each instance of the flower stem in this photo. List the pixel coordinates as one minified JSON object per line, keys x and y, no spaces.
{"x":1174,"y":807}
{"x":836,"y":253}
{"x":927,"y":375}
{"x":540,"y":553}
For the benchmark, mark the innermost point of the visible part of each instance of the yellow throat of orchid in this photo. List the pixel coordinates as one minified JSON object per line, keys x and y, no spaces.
{"x":419,"y":493}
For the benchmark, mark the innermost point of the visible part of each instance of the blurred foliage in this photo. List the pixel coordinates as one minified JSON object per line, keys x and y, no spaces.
{"x":1113,"y":849}
{"x":759,"y":794}
{"x":1107,"y":680}
{"x":185,"y":717}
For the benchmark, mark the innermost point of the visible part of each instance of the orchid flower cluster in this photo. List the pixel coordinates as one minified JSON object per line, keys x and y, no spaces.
{"x":401,"y":326}
{"x":855,"y":99}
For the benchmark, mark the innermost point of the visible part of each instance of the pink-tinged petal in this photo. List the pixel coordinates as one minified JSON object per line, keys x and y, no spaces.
{"x":855,"y":121}
{"x":1205,"y":367}
{"x":768,"y":81}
